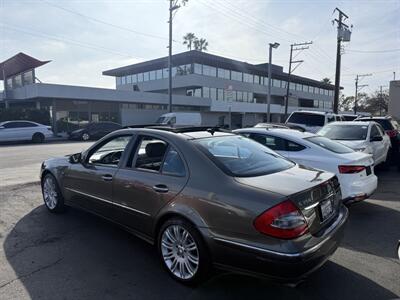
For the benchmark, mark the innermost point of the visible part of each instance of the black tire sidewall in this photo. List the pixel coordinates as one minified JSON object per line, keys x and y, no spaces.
{"x":60,"y":207}
{"x":204,"y":268}
{"x":38,"y":137}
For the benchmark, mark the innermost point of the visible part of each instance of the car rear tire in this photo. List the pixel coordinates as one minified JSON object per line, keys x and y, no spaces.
{"x":38,"y":138}
{"x":85,"y":136}
{"x":52,"y":196}
{"x":183,"y":252}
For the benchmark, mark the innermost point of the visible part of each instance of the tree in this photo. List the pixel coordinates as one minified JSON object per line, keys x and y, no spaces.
{"x":326,"y":80}
{"x":346,"y":103}
{"x":189,"y":39}
{"x":201,"y":44}
{"x":377,"y":103}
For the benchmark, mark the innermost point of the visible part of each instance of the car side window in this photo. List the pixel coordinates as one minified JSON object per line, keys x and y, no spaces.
{"x":150,"y":152}
{"x":380,"y":129}
{"x":110,"y":152}
{"x":374,"y":131}
{"x":272,"y":142}
{"x":294,"y":147}
{"x":173,"y":164}
{"x":19,"y":125}
{"x":331,"y":119}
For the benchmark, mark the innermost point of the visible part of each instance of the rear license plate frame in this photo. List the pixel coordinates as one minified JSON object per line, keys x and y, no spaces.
{"x":326,"y":209}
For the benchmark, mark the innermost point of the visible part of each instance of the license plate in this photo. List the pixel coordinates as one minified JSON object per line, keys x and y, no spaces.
{"x":326,"y":209}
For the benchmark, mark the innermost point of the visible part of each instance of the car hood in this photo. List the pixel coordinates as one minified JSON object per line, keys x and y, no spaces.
{"x":288,"y":182}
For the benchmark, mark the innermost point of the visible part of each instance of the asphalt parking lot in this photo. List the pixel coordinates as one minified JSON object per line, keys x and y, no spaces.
{"x":79,"y":256}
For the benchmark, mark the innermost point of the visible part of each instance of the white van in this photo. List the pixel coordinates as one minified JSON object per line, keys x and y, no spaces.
{"x":180,"y":119}
{"x":312,"y":121}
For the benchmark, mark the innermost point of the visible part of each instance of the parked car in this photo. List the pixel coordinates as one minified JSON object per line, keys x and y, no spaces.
{"x":20,"y":130}
{"x":94,"y":131}
{"x":392,"y":129}
{"x":355,"y":170}
{"x":180,"y":118}
{"x":205,"y":198}
{"x":312,"y":121}
{"x":368,"y":137}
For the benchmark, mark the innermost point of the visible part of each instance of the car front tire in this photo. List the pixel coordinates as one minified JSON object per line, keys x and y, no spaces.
{"x":85,"y":136}
{"x":52,"y":196}
{"x":38,"y":138}
{"x":183,"y":252}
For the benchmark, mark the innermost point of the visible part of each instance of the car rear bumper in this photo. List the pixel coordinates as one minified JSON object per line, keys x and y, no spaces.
{"x":287,"y":267}
{"x":358,"y":190}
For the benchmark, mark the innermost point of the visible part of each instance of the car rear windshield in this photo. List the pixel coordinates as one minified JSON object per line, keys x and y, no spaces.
{"x":385,"y":123}
{"x":241,"y":157}
{"x":330,"y":145}
{"x":345,"y":132}
{"x":307,"y":119}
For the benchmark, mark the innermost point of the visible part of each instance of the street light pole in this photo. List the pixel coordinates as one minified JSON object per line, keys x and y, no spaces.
{"x":274,"y":45}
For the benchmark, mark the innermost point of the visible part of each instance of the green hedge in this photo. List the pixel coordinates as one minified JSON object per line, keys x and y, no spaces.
{"x":30,"y":114}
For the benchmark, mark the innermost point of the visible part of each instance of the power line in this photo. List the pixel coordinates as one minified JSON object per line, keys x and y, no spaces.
{"x":373,"y":51}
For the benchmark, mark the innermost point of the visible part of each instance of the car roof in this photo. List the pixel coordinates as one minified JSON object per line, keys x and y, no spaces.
{"x":288,"y":133}
{"x":375,"y":118}
{"x":316,"y":112}
{"x":358,"y":123}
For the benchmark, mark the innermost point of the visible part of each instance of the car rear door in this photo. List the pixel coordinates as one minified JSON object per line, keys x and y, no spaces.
{"x":154,"y":174}
{"x":378,"y":147}
{"x":89,"y":184}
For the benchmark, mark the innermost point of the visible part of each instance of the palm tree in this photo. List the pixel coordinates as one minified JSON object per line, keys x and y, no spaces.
{"x":326,"y":80}
{"x":201,"y":44}
{"x":188,"y":39}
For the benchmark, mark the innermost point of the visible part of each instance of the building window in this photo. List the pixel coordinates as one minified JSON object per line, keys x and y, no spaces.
{"x":128,"y":79}
{"x":123,"y":81}
{"x":146,"y":76}
{"x":197,"y":92}
{"x":152,"y":75}
{"x":213,"y":93}
{"x":206,"y":92}
{"x":209,"y":71}
{"x":220,"y":94}
{"x":27,"y":78}
{"x":245,"y":97}
{"x":165,"y":73}
{"x":256,"y":79}
{"x":284,"y":84}
{"x":292,"y":86}
{"x":248,"y":78}
{"x":316,"y":103}
{"x":326,"y":92}
{"x":118,"y":80}
{"x":239,"y":96}
{"x":321,"y":91}
{"x":250,"y":97}
{"x":316,"y":90}
{"x":223,"y":73}
{"x":198,"y":69}
{"x":140,"y":77}
{"x":305,"y":88}
{"x":159,"y":74}
{"x":299,"y":87}
{"x":190,"y":92}
{"x":276,"y":83}
{"x":134,"y":78}
{"x":321,"y":104}
{"x":311,"y":89}
{"x":238,"y":76}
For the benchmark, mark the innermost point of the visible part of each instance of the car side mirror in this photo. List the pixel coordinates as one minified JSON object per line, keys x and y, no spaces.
{"x":376,"y":138}
{"x":75,"y":158}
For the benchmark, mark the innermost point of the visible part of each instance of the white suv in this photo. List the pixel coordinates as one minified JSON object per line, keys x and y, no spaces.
{"x":12,"y":131}
{"x":312,"y":121}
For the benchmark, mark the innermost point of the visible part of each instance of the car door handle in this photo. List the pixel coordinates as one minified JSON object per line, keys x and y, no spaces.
{"x":107,"y":177}
{"x":160,"y":188}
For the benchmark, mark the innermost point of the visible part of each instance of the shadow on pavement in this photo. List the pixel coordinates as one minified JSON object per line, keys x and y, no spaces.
{"x":377,"y":240}
{"x":79,"y":256}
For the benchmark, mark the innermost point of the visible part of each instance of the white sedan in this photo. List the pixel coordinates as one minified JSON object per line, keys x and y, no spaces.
{"x":12,"y":131}
{"x":368,"y":137}
{"x":354,"y":169}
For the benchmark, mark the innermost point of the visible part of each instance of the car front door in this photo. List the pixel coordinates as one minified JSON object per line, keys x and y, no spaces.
{"x":378,"y":147}
{"x":154,"y":174}
{"x":89,"y":184}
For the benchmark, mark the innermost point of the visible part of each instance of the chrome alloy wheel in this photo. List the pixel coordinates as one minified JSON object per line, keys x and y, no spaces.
{"x":50,"y":192}
{"x":85,"y":136}
{"x":179,"y":251}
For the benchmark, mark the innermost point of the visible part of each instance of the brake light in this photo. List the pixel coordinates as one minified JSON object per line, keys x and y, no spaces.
{"x":351,"y":169}
{"x":391,"y":133}
{"x":282,"y":221}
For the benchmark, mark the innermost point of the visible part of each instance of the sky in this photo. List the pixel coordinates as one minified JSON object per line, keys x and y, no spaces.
{"x":82,"y":38}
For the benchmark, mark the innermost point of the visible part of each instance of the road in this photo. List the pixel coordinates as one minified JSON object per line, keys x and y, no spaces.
{"x":21,"y":163}
{"x":79,"y":256}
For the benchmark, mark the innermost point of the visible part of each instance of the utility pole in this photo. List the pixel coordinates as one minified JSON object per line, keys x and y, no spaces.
{"x":293,"y":47}
{"x":394,"y":75}
{"x":381,"y":98}
{"x":271,"y":46}
{"x":359,"y":87}
{"x":173,"y":5}
{"x":342,"y":35}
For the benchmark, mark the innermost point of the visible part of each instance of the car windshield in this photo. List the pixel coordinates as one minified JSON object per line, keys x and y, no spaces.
{"x":242,"y":157}
{"x":329,"y":145}
{"x":307,"y":119}
{"x":345,"y":132}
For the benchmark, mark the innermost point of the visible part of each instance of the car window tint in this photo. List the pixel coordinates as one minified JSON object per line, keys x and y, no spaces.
{"x":111,"y":152}
{"x":19,"y":125}
{"x":242,"y":157}
{"x":294,"y":147}
{"x":374,"y":131}
{"x":173,"y":164}
{"x":330,"y":145}
{"x":344,"y":132}
{"x":150,"y":153}
{"x":307,"y":119}
{"x":272,"y":142}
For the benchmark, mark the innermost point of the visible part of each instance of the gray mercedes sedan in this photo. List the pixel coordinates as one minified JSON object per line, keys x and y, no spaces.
{"x":205,"y":198}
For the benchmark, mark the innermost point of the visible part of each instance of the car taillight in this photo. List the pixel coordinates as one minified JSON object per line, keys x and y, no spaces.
{"x":391,"y":133}
{"x":283,"y":221}
{"x":351,"y":169}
